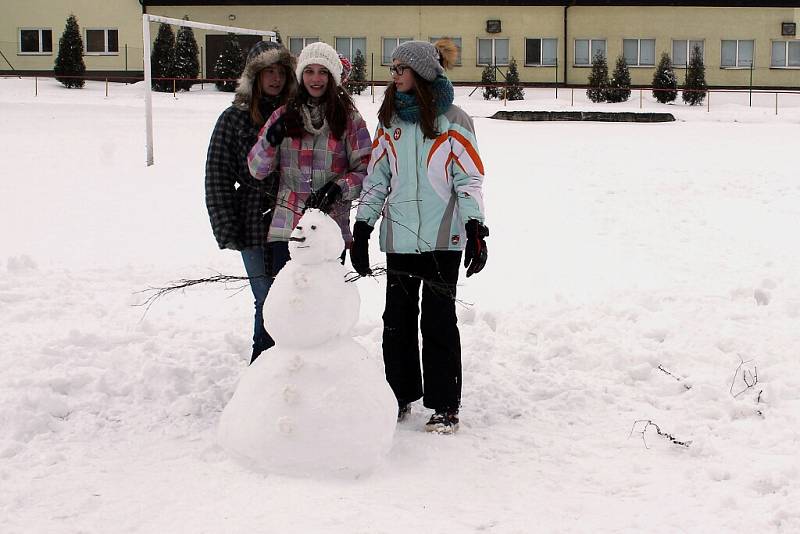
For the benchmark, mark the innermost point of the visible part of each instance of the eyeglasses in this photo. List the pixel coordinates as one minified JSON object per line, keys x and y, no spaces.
{"x":398,"y":69}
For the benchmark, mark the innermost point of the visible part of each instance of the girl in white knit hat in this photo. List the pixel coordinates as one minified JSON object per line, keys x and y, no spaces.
{"x":424,"y":180}
{"x":319,"y":144}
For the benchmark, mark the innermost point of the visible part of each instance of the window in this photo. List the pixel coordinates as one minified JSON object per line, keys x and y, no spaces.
{"x":35,"y":41}
{"x":682,"y":51}
{"x":785,"y":54}
{"x":296,"y":44}
{"x":586,"y":49}
{"x":456,"y":40}
{"x":493,"y":52}
{"x":102,"y":41}
{"x":541,"y":52}
{"x":639,"y":52}
{"x":389,"y":44}
{"x":737,"y":53}
{"x":347,"y":46}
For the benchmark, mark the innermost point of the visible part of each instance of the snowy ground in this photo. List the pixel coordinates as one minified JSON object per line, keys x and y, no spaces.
{"x":615,"y":248}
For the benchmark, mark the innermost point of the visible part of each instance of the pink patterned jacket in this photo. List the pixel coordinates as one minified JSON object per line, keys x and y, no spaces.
{"x":306,"y":164}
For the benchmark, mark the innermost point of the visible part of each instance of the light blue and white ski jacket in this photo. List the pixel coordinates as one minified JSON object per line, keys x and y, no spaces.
{"x":425,"y":189}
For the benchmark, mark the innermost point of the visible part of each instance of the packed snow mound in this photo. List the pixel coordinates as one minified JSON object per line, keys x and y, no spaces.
{"x":325,"y":411}
{"x":316,"y":403}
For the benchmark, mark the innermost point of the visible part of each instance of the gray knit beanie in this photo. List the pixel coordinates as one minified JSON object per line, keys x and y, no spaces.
{"x":421,"y":56}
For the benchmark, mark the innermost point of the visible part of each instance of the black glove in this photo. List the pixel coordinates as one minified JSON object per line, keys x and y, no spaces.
{"x":475,"y":254}
{"x":359,"y":251}
{"x":289,"y":124}
{"x":325,"y":197}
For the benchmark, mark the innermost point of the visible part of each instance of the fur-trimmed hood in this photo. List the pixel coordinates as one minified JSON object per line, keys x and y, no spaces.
{"x":244,"y":87}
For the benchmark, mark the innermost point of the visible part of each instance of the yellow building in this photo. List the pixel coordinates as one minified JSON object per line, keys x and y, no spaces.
{"x":111,"y":32}
{"x":551,"y":41}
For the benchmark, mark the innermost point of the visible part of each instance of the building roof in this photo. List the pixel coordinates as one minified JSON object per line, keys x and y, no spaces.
{"x":494,"y":3}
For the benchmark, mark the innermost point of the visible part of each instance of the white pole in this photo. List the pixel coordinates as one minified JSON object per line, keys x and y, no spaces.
{"x":211,"y":27}
{"x":148,"y":93}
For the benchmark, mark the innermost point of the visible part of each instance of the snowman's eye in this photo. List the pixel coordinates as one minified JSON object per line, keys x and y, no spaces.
{"x":299,"y":227}
{"x":313,"y":227}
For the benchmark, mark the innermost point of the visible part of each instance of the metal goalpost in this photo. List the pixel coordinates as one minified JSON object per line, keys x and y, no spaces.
{"x":148,"y":92}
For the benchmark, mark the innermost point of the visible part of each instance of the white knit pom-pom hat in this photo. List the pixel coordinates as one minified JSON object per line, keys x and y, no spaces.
{"x":320,"y":53}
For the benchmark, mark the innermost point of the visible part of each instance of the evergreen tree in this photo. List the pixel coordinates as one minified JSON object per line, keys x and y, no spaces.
{"x":488,"y":77}
{"x":229,"y":65}
{"x":162,"y":58}
{"x":359,"y":74}
{"x":620,"y":90}
{"x":598,"y":79}
{"x":513,"y":89}
{"x":694,"y":88}
{"x":187,"y":64}
{"x":665,"y":84}
{"x":69,"y":61}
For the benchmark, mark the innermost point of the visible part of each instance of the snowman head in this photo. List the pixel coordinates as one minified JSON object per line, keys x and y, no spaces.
{"x":316,"y":239}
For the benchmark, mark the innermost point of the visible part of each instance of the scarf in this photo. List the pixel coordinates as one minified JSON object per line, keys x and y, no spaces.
{"x":267,"y":104}
{"x":407,"y":106}
{"x":313,"y":116}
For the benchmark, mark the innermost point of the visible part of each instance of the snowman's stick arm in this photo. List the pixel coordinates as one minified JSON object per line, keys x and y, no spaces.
{"x":184,"y":283}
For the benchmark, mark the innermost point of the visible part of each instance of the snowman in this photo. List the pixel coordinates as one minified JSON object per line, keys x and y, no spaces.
{"x":316,"y":403}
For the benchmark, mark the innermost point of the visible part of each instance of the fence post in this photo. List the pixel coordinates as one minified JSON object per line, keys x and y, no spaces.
{"x":640,"y":99}
{"x":126,"y":58}
{"x":106,"y":86}
{"x":556,"y":69}
{"x":36,"y":85}
{"x":751,"y":83}
{"x":174,"y":87}
{"x":776,"y":102}
{"x":572,"y":97}
{"x":372,"y":75}
{"x":708,"y":101}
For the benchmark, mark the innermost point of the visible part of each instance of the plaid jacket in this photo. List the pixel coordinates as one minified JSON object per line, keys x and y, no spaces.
{"x":308,"y":163}
{"x":237,"y":204}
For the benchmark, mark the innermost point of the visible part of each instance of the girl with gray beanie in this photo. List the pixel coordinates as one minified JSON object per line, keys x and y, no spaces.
{"x":425,"y":180}
{"x":240,"y":207}
{"x":320,"y":146}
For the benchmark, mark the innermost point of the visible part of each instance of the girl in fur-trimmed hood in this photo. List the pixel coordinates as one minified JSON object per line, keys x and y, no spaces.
{"x":239,"y":207}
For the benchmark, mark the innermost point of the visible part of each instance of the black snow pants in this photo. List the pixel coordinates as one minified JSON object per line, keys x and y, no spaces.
{"x":437,"y":272}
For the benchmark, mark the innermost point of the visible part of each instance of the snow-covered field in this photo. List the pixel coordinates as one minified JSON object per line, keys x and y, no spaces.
{"x":614,"y":249}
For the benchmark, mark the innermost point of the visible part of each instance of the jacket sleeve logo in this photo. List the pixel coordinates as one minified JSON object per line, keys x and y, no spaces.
{"x":397,"y":133}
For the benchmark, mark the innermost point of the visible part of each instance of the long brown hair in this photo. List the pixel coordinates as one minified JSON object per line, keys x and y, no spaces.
{"x":423,"y":91}
{"x":338,"y":105}
{"x":255,"y":110}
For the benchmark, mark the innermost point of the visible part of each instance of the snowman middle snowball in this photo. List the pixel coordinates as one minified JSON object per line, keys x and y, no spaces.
{"x":309,"y":302}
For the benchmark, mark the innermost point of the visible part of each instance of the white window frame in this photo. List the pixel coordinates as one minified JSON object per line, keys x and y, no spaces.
{"x":541,"y":51}
{"x":785,"y":54}
{"x":737,"y":66}
{"x":40,"y":52}
{"x":306,"y":41}
{"x":351,"y":54}
{"x":105,"y":51}
{"x":494,"y":51}
{"x":457,"y":40}
{"x":397,"y":42}
{"x":591,"y":56}
{"x":688,"y":51}
{"x":639,"y":51}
